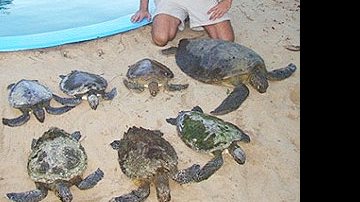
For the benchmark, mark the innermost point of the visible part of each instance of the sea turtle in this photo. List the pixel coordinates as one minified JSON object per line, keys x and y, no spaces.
{"x":56,"y":162}
{"x":80,"y":84}
{"x":151,"y":74}
{"x":206,"y":133}
{"x":146,"y":157}
{"x":31,"y":96}
{"x":216,"y":61}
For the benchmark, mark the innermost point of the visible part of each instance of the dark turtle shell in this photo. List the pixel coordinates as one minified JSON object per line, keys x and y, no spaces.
{"x":79,"y":83}
{"x":56,"y":156}
{"x":147,"y":70}
{"x":27,"y":93}
{"x":207,"y":133}
{"x":211,"y":60}
{"x":143,"y":153}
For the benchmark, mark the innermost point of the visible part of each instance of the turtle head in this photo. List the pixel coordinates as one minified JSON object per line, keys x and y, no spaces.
{"x":93,"y":101}
{"x":259,"y":82}
{"x":154,"y":88}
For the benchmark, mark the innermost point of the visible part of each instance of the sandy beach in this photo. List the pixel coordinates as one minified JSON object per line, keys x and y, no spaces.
{"x":272,"y":120}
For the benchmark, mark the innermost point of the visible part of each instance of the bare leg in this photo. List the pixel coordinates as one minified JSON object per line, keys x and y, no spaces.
{"x":222,"y":30}
{"x":164,"y":29}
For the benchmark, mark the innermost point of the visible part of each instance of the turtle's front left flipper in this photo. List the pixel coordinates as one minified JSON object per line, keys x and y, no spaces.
{"x":187,"y":175}
{"x":67,"y":101}
{"x":210,"y":167}
{"x":29,"y":196}
{"x":17,"y":121}
{"x":91,"y":180}
{"x":137,"y":195}
{"x":59,"y":110}
{"x":233,"y":101}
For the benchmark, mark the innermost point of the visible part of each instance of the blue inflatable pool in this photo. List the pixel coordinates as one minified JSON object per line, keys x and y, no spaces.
{"x":29,"y":24}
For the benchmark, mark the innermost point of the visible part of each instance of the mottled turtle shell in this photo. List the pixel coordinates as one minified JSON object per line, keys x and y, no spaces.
{"x":56,"y":156}
{"x":80,"y":83}
{"x":27,"y":93}
{"x":146,"y":70}
{"x":212,"y":61}
{"x":143,"y":153}
{"x":206,"y":133}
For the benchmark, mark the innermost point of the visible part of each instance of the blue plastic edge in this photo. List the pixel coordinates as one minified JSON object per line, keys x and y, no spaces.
{"x":78,"y":34}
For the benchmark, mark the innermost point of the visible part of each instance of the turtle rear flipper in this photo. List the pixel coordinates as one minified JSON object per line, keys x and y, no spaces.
{"x":110,"y":95}
{"x":29,"y":196}
{"x":169,"y":51}
{"x":187,"y":175}
{"x":210,"y":167}
{"x":17,"y":121}
{"x":176,"y":87}
{"x":137,"y":195}
{"x":280,"y":74}
{"x":67,"y":101}
{"x":233,"y":100}
{"x":59,"y":110}
{"x":91,"y":180}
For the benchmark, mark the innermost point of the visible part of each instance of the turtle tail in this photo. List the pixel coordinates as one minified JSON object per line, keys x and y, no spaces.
{"x":282,"y":73}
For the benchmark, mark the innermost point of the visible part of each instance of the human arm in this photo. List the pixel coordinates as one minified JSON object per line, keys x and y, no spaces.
{"x":220,"y":9}
{"x":142,"y":13}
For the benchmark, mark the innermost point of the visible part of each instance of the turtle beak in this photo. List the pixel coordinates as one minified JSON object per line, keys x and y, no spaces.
{"x":93,"y":101}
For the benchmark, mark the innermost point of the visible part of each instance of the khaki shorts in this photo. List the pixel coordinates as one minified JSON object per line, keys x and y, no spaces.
{"x":196,"y":10}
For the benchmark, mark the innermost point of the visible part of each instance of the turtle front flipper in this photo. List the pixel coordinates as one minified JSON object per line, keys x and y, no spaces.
{"x":63,"y":192}
{"x":110,"y":95}
{"x":137,"y":195}
{"x":176,"y":87}
{"x":17,"y":121}
{"x":29,"y":196}
{"x":233,"y":100}
{"x":91,"y":180}
{"x":187,"y":175}
{"x":282,"y":73}
{"x":67,"y":101}
{"x":210,"y":167}
{"x":162,"y":187}
{"x":237,"y":153}
{"x":59,"y":110}
{"x":133,"y":86}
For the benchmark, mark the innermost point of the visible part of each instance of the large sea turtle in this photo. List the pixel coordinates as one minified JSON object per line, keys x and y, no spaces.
{"x":150,"y":74}
{"x":85,"y":85}
{"x":31,"y":96}
{"x":216,"y":61}
{"x":57,"y":162}
{"x":209,"y":134}
{"x":146,"y":157}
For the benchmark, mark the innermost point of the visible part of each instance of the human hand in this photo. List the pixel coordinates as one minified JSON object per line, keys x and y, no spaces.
{"x":220,"y":9}
{"x":140,"y":15}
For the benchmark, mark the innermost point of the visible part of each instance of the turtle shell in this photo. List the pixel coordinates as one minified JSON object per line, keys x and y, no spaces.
{"x":56,"y":156}
{"x":147,"y":70}
{"x":27,"y":93}
{"x":211,"y":60}
{"x":206,"y":133}
{"x":79,"y":83}
{"x":144,"y":152}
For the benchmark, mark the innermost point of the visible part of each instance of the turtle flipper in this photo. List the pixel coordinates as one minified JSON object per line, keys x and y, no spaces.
{"x":91,"y":180}
{"x":210,"y":167}
{"x":233,"y":101}
{"x":137,"y":195}
{"x":110,"y":95}
{"x":29,"y":196}
{"x":237,"y":153}
{"x":59,"y":110}
{"x":176,"y":87}
{"x":172,"y":121}
{"x":280,"y":74}
{"x":67,"y":101}
{"x":76,"y":135}
{"x":133,"y":86}
{"x":187,"y":175}
{"x":162,"y":187}
{"x":169,"y":51}
{"x":63,"y":192}
{"x":17,"y":121}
